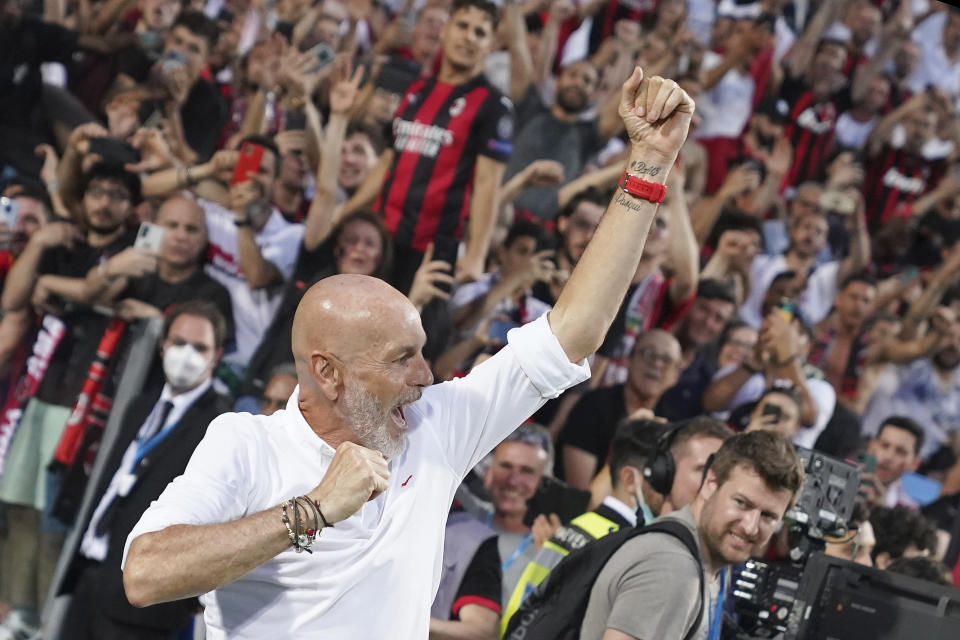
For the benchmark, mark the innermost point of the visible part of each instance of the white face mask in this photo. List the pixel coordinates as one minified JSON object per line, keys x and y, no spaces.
{"x":184,"y":366}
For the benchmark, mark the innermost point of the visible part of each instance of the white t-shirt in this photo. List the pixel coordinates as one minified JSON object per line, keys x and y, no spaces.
{"x":253,"y":309}
{"x":934,"y":67}
{"x":727,"y":105}
{"x":375,"y":574}
{"x":815,"y":301}
{"x":822,"y":392}
{"x":852,"y":133}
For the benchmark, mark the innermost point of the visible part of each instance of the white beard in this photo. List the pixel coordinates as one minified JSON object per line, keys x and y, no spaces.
{"x":370,"y":421}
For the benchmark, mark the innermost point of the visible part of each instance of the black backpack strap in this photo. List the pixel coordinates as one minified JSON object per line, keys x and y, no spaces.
{"x":681,"y":532}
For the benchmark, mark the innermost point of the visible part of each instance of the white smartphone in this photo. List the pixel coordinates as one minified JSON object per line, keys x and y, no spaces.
{"x":149,"y":236}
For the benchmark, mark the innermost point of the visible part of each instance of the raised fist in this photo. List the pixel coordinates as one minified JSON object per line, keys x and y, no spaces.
{"x":656,"y":113}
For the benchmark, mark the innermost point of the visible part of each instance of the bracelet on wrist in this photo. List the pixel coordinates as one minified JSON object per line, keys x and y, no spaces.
{"x":295,"y":514}
{"x":640,"y":188}
{"x":241,"y":222}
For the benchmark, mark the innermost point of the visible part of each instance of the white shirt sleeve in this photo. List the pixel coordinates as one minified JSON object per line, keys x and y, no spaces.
{"x":475,"y":413}
{"x":214,"y":486}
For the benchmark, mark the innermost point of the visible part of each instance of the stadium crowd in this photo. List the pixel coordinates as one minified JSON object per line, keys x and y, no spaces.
{"x":801,"y":276}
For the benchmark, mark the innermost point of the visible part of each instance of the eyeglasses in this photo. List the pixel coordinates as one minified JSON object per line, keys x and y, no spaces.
{"x":743,"y":344}
{"x":650,"y":355}
{"x":114,"y":195}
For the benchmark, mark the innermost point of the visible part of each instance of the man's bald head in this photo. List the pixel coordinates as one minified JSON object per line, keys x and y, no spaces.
{"x":357,"y":345}
{"x":348,"y":313}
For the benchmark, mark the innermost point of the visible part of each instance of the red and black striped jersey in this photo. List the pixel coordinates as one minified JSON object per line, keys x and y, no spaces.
{"x":810,"y":127}
{"x":439,"y":131}
{"x":896,"y":177}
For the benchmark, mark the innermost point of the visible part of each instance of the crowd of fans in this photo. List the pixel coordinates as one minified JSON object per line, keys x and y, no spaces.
{"x":801,"y":276}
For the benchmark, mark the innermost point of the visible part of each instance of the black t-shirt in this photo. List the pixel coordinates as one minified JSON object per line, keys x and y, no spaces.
{"x":84,"y":327}
{"x":540,"y":136}
{"x":481,"y":580}
{"x":22,"y":49}
{"x":152,"y":290}
{"x":275,"y":346}
{"x":683,"y":400}
{"x":592,"y":423}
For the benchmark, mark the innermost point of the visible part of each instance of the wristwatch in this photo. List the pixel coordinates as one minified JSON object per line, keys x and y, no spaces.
{"x":641,"y":188}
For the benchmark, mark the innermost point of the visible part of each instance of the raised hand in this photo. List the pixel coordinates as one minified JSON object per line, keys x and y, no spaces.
{"x":51,"y":162}
{"x":656,"y":113}
{"x":540,"y":173}
{"x":132,"y":262}
{"x":428,"y":280}
{"x":80,"y":137}
{"x":345,"y":87}
{"x":356,"y":475}
{"x":155,"y":153}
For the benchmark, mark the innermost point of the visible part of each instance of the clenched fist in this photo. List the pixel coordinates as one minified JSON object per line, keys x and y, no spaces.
{"x":656,"y":113}
{"x":355,"y":476}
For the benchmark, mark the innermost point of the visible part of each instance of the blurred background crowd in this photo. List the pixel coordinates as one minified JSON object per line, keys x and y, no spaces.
{"x":802,"y":275}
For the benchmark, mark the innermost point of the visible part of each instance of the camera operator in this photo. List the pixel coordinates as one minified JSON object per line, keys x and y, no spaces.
{"x":647,"y":588}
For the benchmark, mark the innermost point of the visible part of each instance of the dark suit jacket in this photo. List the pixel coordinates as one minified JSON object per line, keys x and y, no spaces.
{"x":155,"y":471}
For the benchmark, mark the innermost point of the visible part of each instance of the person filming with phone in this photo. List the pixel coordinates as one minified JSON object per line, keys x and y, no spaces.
{"x":506,"y":292}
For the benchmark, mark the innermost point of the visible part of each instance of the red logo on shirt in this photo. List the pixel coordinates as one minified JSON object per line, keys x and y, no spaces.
{"x":406,"y":481}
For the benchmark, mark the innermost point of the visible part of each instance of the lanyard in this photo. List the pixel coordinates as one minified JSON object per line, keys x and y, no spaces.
{"x":517,"y":552}
{"x":716,"y":617}
{"x":143,"y":448}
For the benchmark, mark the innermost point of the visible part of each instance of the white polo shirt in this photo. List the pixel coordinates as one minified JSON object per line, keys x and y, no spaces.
{"x":375,"y":574}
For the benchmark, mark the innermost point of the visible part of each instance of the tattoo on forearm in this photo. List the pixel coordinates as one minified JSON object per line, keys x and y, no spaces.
{"x":642,"y":168}
{"x":629,"y":203}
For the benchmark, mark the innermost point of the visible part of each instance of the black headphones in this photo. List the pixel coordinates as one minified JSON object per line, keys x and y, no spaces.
{"x":660,"y":467}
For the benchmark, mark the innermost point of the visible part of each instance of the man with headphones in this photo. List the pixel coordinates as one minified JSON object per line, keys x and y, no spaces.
{"x":653,"y":469}
{"x":654,"y":586}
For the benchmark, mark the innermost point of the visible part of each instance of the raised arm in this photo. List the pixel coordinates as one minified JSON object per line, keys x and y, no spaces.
{"x":521,"y":62}
{"x":684,"y":250}
{"x":342,"y":97}
{"x":798,"y":59}
{"x":881,"y":132}
{"x":859,"y":256}
{"x":656,"y":113}
{"x":484,"y":204}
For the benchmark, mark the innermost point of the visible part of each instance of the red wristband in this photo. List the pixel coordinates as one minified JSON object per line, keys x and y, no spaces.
{"x":640,"y":188}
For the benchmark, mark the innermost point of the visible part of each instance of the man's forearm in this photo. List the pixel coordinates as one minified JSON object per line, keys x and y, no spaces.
{"x":589,"y":301}
{"x":259,"y":273}
{"x":719,"y":393}
{"x":183,"y":561}
{"x":484,"y":203}
{"x":470,"y":314}
{"x":69,"y":178}
{"x":320,"y":216}
{"x":21,"y":278}
{"x":460,"y":630}
{"x":684,"y":249}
